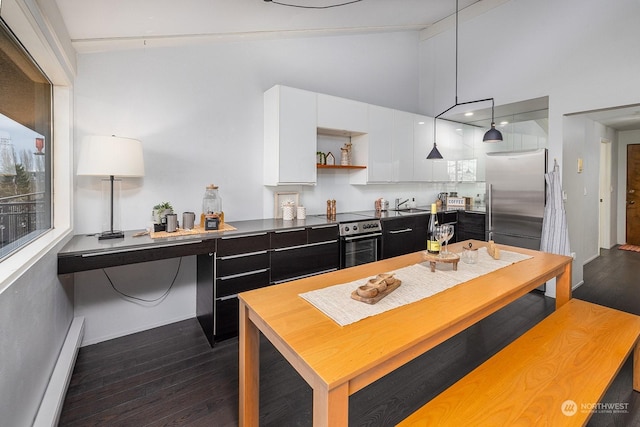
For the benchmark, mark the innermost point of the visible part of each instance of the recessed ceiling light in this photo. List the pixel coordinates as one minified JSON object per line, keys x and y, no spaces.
{"x":504,"y":123}
{"x":420,"y":123}
{"x":467,"y":114}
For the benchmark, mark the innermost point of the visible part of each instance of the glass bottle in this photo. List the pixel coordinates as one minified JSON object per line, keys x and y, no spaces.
{"x":212,"y":206}
{"x":433,"y":246}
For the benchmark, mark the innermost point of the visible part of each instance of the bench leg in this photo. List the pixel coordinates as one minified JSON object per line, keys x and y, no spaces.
{"x":636,"y":367}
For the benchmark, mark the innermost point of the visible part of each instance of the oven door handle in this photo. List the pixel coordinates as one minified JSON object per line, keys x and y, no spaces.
{"x":368,"y":236}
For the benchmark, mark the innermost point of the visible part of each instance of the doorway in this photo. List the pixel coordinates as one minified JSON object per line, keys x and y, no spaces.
{"x":604,"y":195}
{"x":633,"y":187}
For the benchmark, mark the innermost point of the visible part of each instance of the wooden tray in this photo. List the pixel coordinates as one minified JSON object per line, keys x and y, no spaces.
{"x":373,"y":300}
{"x":193,"y":232}
{"x":450,"y":259}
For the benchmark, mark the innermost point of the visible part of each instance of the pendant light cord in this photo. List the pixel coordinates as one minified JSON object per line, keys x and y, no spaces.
{"x":456,"y":51}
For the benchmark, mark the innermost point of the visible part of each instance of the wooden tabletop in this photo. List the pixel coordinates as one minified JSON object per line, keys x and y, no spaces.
{"x":329,"y":356}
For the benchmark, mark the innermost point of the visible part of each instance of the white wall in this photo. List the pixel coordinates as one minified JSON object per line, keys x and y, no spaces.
{"x":581,"y":53}
{"x":198,"y":111}
{"x":35,"y":305}
{"x":35,"y":313}
{"x":582,"y":138}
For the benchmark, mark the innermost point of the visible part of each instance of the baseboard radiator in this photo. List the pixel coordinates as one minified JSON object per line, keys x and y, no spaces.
{"x":51,"y":405}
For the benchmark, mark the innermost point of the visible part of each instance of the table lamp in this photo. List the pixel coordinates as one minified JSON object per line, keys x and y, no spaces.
{"x":111,"y":156}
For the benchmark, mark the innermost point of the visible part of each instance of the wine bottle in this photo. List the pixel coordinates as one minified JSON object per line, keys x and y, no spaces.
{"x":433,"y":246}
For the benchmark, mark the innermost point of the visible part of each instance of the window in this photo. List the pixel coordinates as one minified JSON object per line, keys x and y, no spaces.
{"x":25,"y":146}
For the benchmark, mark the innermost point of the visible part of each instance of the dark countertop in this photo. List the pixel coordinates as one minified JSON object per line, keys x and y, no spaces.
{"x":420,"y":210}
{"x":85,"y":252}
{"x":89,"y":243}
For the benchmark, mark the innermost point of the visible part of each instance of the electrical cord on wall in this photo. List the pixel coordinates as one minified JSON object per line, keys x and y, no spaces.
{"x":143,"y":299}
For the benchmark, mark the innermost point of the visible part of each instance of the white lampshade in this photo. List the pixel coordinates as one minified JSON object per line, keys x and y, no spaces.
{"x":111,"y":156}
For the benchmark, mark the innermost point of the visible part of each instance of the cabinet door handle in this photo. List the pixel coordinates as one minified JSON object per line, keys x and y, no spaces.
{"x":118,"y":251}
{"x":248,"y":254}
{"x":244,"y":235}
{"x":303,"y":276}
{"x":406,"y":230}
{"x":247,"y":273}
{"x":228,"y":297}
{"x":308,"y":245}
{"x":289,"y":230}
{"x":316,"y":227}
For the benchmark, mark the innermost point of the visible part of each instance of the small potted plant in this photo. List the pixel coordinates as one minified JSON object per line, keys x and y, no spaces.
{"x":159,"y":214}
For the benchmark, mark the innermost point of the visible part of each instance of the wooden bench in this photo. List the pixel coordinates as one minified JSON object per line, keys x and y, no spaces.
{"x":553,"y":375}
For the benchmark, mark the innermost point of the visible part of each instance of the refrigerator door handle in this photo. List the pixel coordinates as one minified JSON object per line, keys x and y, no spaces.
{"x":489,"y":213}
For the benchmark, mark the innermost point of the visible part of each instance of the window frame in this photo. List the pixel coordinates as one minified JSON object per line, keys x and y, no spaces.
{"x":46,"y":40}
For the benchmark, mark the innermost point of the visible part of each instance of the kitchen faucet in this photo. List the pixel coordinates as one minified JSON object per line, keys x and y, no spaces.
{"x":399,"y":203}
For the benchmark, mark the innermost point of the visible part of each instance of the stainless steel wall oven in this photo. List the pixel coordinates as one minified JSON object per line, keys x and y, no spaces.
{"x":360,"y":241}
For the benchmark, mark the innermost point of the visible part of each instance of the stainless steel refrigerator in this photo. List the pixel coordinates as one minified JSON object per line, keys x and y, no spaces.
{"x":516,"y":197}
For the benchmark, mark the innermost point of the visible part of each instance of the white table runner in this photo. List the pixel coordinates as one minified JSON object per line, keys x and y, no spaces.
{"x":418,"y":282}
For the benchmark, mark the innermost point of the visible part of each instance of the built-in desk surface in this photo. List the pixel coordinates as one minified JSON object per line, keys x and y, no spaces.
{"x":85,"y":252}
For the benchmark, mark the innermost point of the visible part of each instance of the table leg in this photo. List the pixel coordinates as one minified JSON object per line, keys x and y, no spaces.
{"x":331,"y":407}
{"x":636,"y":367}
{"x":249,"y":369}
{"x":563,"y":287}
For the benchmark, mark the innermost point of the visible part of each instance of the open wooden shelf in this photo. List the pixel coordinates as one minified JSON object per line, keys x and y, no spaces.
{"x":339,"y":167}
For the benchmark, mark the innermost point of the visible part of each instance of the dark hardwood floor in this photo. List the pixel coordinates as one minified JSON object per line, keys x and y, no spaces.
{"x":170,"y":375}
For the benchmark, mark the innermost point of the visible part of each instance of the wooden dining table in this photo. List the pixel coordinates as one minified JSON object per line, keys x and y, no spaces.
{"x":337,"y":361}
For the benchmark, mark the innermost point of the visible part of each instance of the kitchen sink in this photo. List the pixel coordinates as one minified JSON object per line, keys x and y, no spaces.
{"x":408,"y":210}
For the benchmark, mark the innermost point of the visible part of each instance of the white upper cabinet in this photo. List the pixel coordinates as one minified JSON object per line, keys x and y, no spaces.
{"x":289,"y":136}
{"x":422,"y":145}
{"x":374,"y":149}
{"x":342,"y":114}
{"x":402,"y":147}
{"x":392,"y":145}
{"x":387,"y":149}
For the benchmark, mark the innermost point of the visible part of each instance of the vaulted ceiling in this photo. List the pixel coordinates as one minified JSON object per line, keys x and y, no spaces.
{"x":106,"y":19}
{"x":103,"y":24}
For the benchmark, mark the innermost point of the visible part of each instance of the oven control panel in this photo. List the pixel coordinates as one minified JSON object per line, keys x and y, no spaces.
{"x":360,"y":227}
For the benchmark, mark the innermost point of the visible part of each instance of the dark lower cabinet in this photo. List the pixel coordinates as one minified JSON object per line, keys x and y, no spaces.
{"x":318,"y":253}
{"x":306,"y":260}
{"x":471,"y":225}
{"x":243,"y":263}
{"x":239,"y":264}
{"x":450,"y":218}
{"x":404,"y":235}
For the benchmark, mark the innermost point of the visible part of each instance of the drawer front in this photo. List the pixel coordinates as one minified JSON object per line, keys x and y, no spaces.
{"x":447,"y":217}
{"x":304,"y":261}
{"x":234,"y":264}
{"x":397,"y":224}
{"x":472,"y":220}
{"x":323,"y":233}
{"x":288,"y":237}
{"x":242,"y":244}
{"x":231,"y":285}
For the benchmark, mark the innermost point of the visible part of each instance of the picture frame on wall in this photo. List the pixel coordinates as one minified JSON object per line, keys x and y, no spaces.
{"x":283,"y":198}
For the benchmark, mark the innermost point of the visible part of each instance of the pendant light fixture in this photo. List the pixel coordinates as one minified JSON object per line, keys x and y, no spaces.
{"x":492,"y":135}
